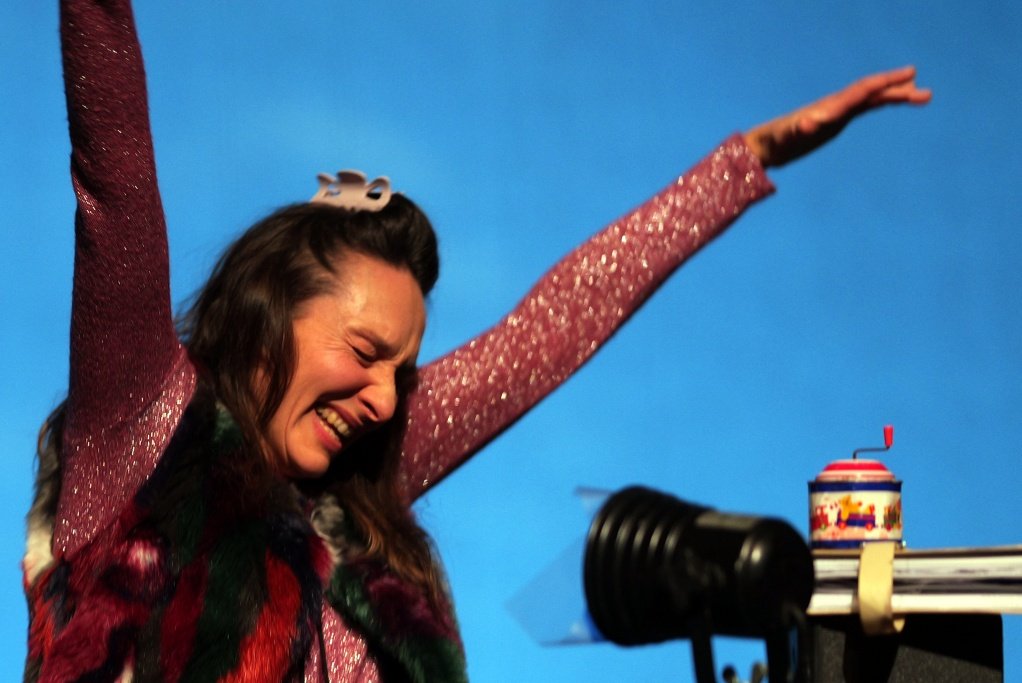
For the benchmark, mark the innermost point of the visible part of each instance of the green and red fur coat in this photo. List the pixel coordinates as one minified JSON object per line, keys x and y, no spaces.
{"x":214,"y":573}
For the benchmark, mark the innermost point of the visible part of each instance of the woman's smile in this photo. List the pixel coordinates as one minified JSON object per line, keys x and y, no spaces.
{"x":334,"y":422}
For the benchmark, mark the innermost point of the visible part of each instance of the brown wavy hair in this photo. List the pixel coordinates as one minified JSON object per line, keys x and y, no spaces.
{"x":254,"y":292}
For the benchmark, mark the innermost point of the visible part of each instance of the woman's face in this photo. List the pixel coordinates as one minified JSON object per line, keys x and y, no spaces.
{"x":352,"y":345}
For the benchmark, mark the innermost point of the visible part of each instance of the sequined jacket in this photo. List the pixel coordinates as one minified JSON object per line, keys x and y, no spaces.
{"x":131,"y":379}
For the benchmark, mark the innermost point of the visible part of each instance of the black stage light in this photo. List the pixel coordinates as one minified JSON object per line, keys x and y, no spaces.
{"x":657,"y":568}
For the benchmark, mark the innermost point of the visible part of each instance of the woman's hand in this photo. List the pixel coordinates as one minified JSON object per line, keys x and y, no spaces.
{"x":796,"y":134}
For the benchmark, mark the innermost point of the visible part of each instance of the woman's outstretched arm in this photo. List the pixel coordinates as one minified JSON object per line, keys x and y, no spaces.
{"x":468,"y":397}
{"x":129,"y":376}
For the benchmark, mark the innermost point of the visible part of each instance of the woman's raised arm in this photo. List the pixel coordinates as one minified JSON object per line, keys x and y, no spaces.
{"x":129,"y":376}
{"x":471,"y":395}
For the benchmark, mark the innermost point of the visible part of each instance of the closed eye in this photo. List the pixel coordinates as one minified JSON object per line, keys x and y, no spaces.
{"x":365,"y":354}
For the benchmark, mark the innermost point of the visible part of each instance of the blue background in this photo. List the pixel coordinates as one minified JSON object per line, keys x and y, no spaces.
{"x":880,"y":285}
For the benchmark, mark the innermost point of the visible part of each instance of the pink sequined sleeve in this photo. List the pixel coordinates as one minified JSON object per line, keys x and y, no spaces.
{"x":472,"y":394}
{"x":129,"y":374}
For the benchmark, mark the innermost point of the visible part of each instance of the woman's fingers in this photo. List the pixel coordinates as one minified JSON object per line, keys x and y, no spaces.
{"x":796,"y":134}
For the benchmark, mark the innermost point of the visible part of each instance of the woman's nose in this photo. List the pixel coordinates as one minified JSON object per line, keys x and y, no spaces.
{"x":380,"y":398}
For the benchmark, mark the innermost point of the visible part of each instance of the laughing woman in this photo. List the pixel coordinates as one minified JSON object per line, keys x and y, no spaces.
{"x":229,"y":500}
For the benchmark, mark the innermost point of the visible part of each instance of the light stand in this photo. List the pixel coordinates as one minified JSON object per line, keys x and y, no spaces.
{"x":657,"y":568}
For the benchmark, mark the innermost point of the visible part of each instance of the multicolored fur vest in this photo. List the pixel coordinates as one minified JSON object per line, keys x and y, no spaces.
{"x":214,"y":573}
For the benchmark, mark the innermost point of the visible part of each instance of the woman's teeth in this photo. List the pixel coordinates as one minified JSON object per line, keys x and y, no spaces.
{"x":334,"y":421}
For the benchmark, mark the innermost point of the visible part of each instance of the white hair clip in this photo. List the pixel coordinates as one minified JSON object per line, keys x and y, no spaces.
{"x":349,"y":190}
